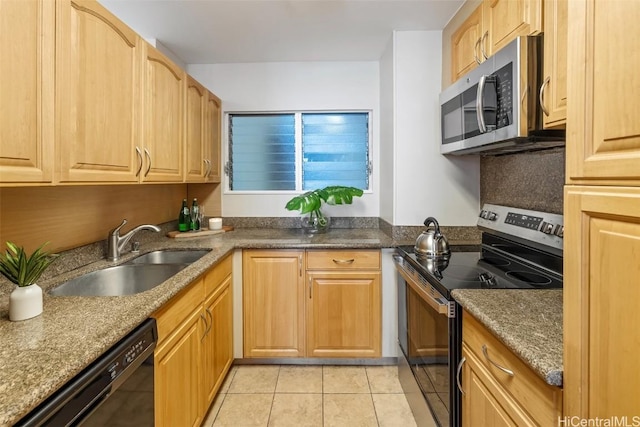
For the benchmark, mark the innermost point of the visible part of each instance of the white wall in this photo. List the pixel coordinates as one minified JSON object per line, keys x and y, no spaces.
{"x":290,"y":86}
{"x":426,"y":183}
{"x":387,"y":136}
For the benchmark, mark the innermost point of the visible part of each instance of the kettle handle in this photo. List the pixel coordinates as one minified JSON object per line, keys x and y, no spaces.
{"x":432,"y":220}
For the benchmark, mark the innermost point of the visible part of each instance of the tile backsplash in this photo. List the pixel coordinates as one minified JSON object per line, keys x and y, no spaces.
{"x":524,"y":180}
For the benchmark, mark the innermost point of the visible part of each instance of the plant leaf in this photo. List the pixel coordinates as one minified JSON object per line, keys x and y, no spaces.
{"x":21,"y":269}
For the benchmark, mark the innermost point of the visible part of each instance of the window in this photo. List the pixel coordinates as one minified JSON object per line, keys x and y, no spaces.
{"x":298,"y":151}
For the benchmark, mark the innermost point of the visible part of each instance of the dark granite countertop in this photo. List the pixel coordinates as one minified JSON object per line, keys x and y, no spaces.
{"x":529,"y":322}
{"x":39,"y":355}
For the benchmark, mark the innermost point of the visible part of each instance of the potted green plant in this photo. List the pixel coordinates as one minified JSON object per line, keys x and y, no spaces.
{"x":25,"y":301}
{"x":309,"y":204}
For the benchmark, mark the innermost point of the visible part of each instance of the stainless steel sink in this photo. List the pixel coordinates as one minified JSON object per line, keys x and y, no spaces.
{"x":119,"y":280}
{"x":169,"y":257}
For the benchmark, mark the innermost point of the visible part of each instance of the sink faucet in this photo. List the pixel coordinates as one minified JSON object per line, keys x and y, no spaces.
{"x":115,"y":242}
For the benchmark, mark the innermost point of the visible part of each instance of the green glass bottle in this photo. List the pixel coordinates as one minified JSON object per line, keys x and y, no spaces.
{"x":195,"y":216}
{"x":183,"y":218}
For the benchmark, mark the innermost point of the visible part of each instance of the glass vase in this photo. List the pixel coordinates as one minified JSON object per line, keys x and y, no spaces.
{"x":315,"y":224}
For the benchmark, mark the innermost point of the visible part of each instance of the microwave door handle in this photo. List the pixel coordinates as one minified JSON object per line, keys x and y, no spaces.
{"x":480,"y":104}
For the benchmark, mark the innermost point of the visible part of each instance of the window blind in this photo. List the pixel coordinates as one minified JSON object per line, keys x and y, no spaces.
{"x":262,"y":152}
{"x":335,"y":150}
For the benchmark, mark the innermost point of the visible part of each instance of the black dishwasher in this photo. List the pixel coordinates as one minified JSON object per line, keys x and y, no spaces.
{"x":116,"y":389}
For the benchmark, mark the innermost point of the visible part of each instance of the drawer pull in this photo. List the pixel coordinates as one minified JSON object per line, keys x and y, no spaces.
{"x":458,"y":375}
{"x":502,"y":368}
{"x":344,"y":261}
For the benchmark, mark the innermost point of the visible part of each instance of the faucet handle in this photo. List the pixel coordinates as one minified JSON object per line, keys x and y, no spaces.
{"x":116,"y":231}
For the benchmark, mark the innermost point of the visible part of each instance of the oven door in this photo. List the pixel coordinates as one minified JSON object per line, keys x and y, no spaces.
{"x":429,"y":337}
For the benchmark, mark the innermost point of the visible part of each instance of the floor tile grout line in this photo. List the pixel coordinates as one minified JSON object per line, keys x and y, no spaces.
{"x":273,"y":397}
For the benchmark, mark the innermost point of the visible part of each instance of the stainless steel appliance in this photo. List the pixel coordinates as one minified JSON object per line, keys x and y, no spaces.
{"x":116,"y":389}
{"x":520,"y":249}
{"x":494,"y":108}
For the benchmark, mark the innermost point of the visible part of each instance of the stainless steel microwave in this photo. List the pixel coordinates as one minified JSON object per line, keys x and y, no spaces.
{"x":494,"y":109}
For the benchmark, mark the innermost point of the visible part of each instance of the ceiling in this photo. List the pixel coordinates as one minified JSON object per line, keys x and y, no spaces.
{"x":229,"y":31}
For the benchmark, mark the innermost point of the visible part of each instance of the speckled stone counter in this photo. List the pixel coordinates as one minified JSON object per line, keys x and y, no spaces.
{"x":529,"y":322}
{"x":39,"y":355}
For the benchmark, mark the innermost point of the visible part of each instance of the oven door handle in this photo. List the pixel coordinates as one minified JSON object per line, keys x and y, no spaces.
{"x":458,"y":372}
{"x":435,"y":303}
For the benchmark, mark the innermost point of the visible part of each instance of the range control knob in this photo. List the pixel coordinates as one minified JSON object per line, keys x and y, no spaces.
{"x":492,"y":216}
{"x":559,"y":230}
{"x":487,"y":280}
{"x":483,"y":214}
{"x":547,"y":228}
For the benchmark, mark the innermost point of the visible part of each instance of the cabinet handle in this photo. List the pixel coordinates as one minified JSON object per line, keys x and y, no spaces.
{"x":206,"y":168}
{"x":475,"y":51}
{"x":210,"y":314}
{"x":205,"y":323}
{"x":541,"y":95}
{"x":502,"y":368}
{"x":208,"y":171}
{"x":148,"y":155}
{"x":458,"y":372}
{"x":344,"y":261}
{"x":310,"y":286}
{"x":484,"y":36}
{"x":300,"y":264}
{"x":139,"y":153}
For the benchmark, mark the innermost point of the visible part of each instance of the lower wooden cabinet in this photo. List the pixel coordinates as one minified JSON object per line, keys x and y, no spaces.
{"x":195,"y":348}
{"x":601,"y":294}
{"x":498,"y":388}
{"x":178,"y":374}
{"x":313,"y":303}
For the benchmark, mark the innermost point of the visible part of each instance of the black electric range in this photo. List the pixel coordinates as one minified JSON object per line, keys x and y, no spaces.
{"x":520,"y":249}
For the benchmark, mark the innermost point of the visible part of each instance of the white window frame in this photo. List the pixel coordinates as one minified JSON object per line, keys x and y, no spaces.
{"x":298,"y":149}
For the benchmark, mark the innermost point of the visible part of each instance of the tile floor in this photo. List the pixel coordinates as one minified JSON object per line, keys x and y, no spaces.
{"x":300,"y":396}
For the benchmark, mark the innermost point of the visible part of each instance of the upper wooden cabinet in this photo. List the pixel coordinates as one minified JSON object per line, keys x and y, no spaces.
{"x":491,"y":26}
{"x":27,"y":84}
{"x":212,"y":138}
{"x":164,"y":105}
{"x":98,"y":95}
{"x":195,"y":148}
{"x":203,"y":134}
{"x":553,"y":95}
{"x":465,"y":45}
{"x":603,"y":130}
{"x":504,"y":20}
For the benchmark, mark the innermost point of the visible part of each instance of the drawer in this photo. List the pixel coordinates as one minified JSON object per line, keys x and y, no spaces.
{"x":178,"y":309}
{"x":215,"y":276}
{"x":343,"y":259}
{"x":543,"y":402}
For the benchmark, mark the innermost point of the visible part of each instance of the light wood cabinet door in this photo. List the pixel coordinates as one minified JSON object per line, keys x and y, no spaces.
{"x":26,"y":91}
{"x":465,"y":45}
{"x":343,"y":314}
{"x":603,"y":130}
{"x":554,"y":88}
{"x":196,"y":166}
{"x":163,"y":143}
{"x":601,"y":294}
{"x":273,"y":303}
{"x":98,"y":95}
{"x":178,"y":375}
{"x":479,"y":405}
{"x":213,"y":138}
{"x":504,"y":20}
{"x":218,"y":342}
